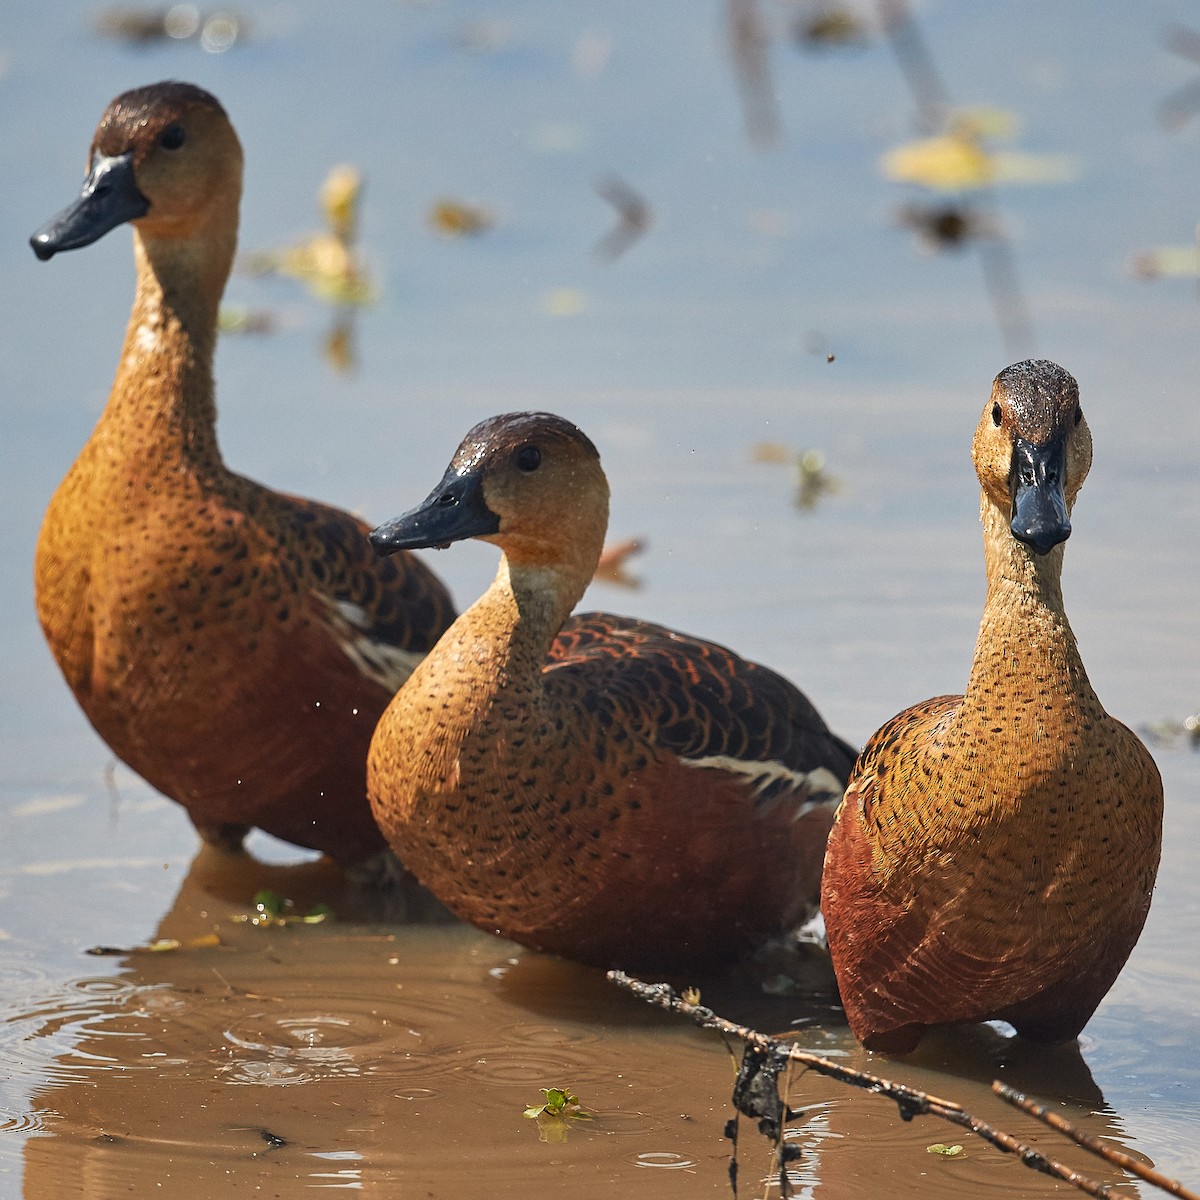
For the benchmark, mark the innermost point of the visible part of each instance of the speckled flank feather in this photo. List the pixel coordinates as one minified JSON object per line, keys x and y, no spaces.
{"x":233,"y":645}
{"x":712,"y":709}
{"x":995,"y":853}
{"x":544,"y":784}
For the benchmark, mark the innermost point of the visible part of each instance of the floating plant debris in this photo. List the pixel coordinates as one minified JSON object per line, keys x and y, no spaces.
{"x":825,"y":26}
{"x":560,"y":1102}
{"x":273,"y":910}
{"x":946,"y":226}
{"x":613,"y":566}
{"x":633,"y":218}
{"x":158,"y":946}
{"x":959,"y":160}
{"x":327,"y":263}
{"x":457,"y":218}
{"x":813,"y":481}
{"x":1184,"y":102}
{"x":215,"y":32}
{"x":235,"y":318}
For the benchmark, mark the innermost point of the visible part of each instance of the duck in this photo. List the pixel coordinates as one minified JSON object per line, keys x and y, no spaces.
{"x":995,"y":853}
{"x":232,"y":644}
{"x":593,"y":786}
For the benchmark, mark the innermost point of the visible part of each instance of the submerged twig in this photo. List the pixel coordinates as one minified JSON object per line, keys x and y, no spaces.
{"x":910,"y":1101}
{"x":916,"y":62}
{"x":749,"y":44}
{"x":1109,"y":1153}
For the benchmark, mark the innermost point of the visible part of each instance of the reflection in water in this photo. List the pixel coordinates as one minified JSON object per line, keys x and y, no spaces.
{"x":329,"y":264}
{"x":337,"y":1054}
{"x":748,"y":47}
{"x":371,"y":1055}
{"x":826,"y":1139}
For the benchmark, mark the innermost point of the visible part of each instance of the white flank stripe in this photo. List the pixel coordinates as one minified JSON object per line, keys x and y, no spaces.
{"x":818,"y":788}
{"x":350,"y":624}
{"x":388,"y":665}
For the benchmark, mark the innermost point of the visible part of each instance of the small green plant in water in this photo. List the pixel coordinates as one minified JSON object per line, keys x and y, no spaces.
{"x":944,"y":1150}
{"x":561,"y":1103}
{"x":554,"y":1117}
{"x":270,"y":908}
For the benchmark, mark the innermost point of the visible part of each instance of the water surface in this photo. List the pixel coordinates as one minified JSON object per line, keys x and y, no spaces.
{"x":397,"y":1059}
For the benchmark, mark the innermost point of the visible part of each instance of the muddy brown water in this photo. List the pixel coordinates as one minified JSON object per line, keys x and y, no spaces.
{"x":394,"y":1058}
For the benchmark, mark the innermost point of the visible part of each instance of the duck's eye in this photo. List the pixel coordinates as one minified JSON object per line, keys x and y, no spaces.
{"x":172,"y":137}
{"x":1078,"y":414}
{"x":528,"y":458}
{"x":996,"y":414}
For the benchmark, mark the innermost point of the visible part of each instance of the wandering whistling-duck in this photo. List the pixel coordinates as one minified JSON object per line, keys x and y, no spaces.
{"x":599,"y":787}
{"x":994,"y":855}
{"x":233,"y":645}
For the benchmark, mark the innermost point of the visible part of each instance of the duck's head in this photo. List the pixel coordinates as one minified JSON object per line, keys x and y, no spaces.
{"x":164,"y":157}
{"x":530,"y":482}
{"x":1032,"y":451}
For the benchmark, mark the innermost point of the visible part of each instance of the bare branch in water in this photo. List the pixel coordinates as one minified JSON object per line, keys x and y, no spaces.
{"x":762,"y":1049}
{"x":1109,"y":1153}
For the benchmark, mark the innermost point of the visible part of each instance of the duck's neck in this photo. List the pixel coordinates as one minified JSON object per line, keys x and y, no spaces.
{"x":1025,"y":640}
{"x":162,"y":405}
{"x":521,"y":614}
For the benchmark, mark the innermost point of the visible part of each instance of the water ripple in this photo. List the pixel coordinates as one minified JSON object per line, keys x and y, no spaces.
{"x":664,"y":1160}
{"x":519,"y":1063}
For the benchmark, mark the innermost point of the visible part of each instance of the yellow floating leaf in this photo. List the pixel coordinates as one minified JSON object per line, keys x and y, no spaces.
{"x":339,"y":200}
{"x":1011,"y":166}
{"x":958,"y":160}
{"x":949,"y":162}
{"x":1173,"y":261}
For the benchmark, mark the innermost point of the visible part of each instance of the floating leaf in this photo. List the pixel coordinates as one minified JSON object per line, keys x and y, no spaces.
{"x":326,"y":263}
{"x":613,"y":566}
{"x":944,"y":1150}
{"x":831,"y":26}
{"x":813,"y":481}
{"x":339,"y":198}
{"x":234,"y":318}
{"x":1166,"y":261}
{"x":271,"y":909}
{"x":958,"y":160}
{"x":159,"y":946}
{"x":455,"y":218}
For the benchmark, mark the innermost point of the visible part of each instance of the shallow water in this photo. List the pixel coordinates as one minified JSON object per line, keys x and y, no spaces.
{"x":397,"y":1058}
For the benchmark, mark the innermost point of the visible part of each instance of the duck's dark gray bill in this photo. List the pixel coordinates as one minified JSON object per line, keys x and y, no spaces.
{"x":454,"y":511}
{"x":1039,"y":505}
{"x":109,"y":198}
